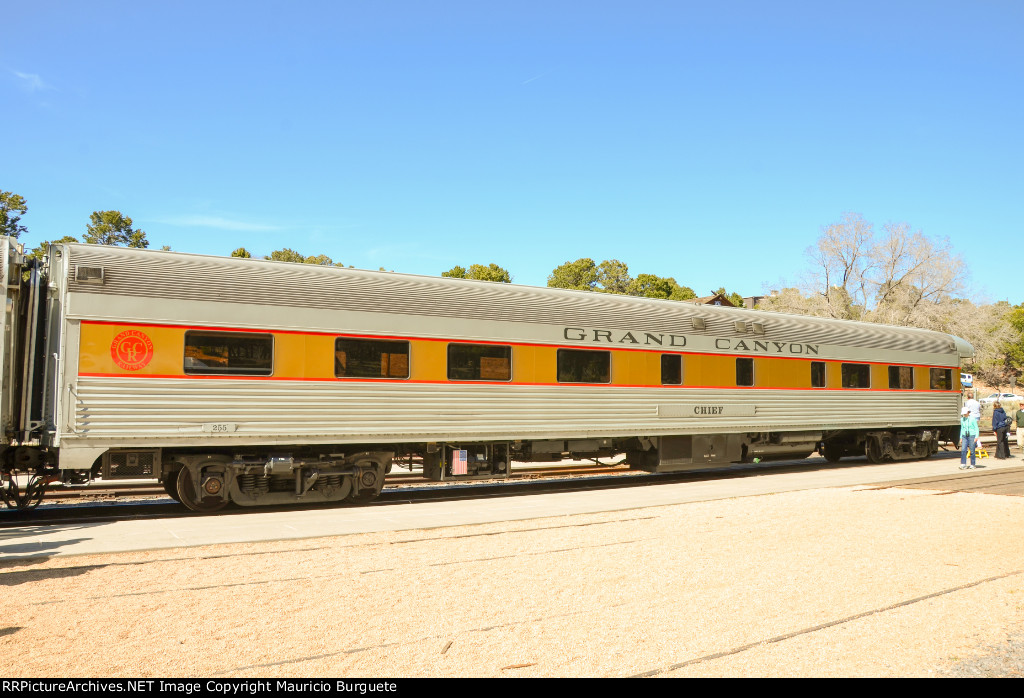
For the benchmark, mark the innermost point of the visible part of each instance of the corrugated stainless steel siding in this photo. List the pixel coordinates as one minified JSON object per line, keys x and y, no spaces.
{"x":172,"y":276}
{"x":172,"y":411}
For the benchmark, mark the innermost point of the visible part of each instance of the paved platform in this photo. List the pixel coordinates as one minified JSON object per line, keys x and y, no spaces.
{"x":46,"y":540}
{"x":816,"y":578}
{"x":1003,"y":479}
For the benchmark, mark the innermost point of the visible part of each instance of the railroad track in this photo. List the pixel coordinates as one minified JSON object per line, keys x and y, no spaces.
{"x":396,"y":479}
{"x":411,"y":488}
{"x":149,"y":488}
{"x":409,"y":491}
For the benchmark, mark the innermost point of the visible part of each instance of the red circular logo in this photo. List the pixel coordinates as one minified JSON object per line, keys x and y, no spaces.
{"x":132,"y":350}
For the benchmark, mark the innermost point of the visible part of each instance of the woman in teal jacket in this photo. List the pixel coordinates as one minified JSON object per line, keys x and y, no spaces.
{"x":968,"y":438}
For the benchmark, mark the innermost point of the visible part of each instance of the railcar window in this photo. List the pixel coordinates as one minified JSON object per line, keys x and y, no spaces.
{"x":580,"y":366}
{"x":671,"y":369}
{"x":817,"y":374}
{"x":479,"y":362}
{"x":229,"y":354}
{"x":856,"y":375}
{"x":941,"y":378}
{"x":744,"y":372}
{"x":370,"y":358}
{"x":901,"y":378}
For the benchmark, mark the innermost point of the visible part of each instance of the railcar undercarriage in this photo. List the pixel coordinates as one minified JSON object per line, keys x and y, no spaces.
{"x":208,"y":481}
{"x":887,"y":445}
{"x":25,"y":473}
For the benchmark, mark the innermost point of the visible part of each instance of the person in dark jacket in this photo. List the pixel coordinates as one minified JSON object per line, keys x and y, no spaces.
{"x":1000,"y":425}
{"x":1019,"y":418}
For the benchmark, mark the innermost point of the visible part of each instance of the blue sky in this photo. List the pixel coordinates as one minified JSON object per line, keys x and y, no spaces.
{"x":705,"y":141}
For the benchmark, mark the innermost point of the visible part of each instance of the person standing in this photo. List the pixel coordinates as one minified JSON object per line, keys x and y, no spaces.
{"x":968,"y":438}
{"x":1019,"y":418}
{"x":1000,"y":425}
{"x":974,"y":406}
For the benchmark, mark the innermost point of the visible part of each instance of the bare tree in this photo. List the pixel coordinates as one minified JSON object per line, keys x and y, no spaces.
{"x":910,"y":271}
{"x":895,"y":280}
{"x":842,"y":262}
{"x":791,"y":300}
{"x":988,"y":330}
{"x":906,"y":278}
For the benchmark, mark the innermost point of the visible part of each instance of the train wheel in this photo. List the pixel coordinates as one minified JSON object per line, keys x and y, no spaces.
{"x":370,"y":482}
{"x":873,"y":450}
{"x":25,"y":498}
{"x":187,"y":495}
{"x":361,"y":498}
{"x":170,"y":484}
{"x":832,"y":452}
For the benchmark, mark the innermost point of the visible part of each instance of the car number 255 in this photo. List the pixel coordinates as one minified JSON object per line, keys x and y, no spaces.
{"x":219,"y":427}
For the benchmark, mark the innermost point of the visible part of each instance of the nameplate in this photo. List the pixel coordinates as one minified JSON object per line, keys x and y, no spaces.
{"x":706,"y":410}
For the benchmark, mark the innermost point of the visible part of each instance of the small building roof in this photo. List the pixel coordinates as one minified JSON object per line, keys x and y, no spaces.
{"x":717,"y":299}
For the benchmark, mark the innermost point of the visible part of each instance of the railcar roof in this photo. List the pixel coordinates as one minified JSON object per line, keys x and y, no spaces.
{"x":186,"y":276}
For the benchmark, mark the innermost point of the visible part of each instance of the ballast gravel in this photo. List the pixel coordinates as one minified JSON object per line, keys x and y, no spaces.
{"x":830,"y":582}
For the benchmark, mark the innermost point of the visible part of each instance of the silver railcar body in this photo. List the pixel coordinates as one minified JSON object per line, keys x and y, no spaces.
{"x":90,"y":409}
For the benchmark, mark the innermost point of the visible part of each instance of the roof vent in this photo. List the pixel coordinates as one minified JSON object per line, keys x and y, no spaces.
{"x":698,"y":323}
{"x":88,"y":275}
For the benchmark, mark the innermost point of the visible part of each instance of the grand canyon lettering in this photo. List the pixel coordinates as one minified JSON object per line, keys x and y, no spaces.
{"x":668,"y":340}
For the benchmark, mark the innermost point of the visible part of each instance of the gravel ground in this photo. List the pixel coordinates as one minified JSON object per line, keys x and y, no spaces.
{"x":1001,"y":661}
{"x":836,"y":582}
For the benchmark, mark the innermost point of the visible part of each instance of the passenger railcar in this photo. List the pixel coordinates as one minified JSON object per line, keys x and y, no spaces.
{"x":260,"y":382}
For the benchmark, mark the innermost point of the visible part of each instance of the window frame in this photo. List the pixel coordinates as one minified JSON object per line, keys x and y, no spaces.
{"x":213,"y":371}
{"x":899,"y":368}
{"x":753,"y":376}
{"x":456,"y":345}
{"x":372,"y":340}
{"x":558,"y":365}
{"x":678,"y":358}
{"x":824,"y":374}
{"x":842,"y":375}
{"x":949,"y":376}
